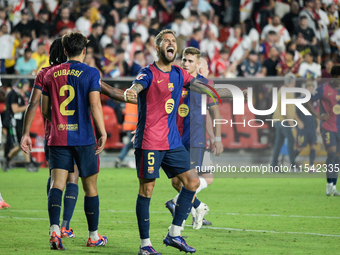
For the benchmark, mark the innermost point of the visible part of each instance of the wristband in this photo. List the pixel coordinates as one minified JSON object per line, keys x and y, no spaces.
{"x":125,"y":99}
{"x":218,"y":139}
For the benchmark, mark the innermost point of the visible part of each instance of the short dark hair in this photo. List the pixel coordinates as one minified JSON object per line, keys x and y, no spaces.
{"x":198,"y":29}
{"x":271,"y":32}
{"x":335,"y":71}
{"x":135,"y":35}
{"x":28,"y":49}
{"x":95,"y":25}
{"x":303,"y":17}
{"x":74,"y":43}
{"x":178,"y":16}
{"x":291,"y":52}
{"x":192,"y":51}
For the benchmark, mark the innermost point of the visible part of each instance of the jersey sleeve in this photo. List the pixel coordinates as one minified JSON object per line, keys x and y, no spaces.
{"x":95,"y":81}
{"x":144,"y":78}
{"x":38,"y":81}
{"x":317,"y":94}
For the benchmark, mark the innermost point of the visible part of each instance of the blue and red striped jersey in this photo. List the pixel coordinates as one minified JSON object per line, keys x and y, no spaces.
{"x":329,"y":103}
{"x":157,"y":107}
{"x":68,"y":85}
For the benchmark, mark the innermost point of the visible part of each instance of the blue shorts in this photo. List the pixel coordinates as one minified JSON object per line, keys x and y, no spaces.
{"x":63,"y":157}
{"x":196,"y":156}
{"x":331,"y":139}
{"x":305,"y":136}
{"x":174,"y":162}
{"x":47,"y":154}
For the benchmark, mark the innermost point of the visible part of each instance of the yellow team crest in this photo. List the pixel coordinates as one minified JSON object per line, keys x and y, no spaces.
{"x":151,"y":169}
{"x":183,"y":110}
{"x":336,"y":109}
{"x":171,"y":86}
{"x":169,"y":105}
{"x":337,"y":97}
{"x":184,"y":93}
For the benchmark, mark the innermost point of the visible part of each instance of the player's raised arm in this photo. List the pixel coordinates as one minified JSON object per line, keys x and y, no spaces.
{"x":97,"y":113}
{"x":202,"y":88}
{"x":115,"y":94}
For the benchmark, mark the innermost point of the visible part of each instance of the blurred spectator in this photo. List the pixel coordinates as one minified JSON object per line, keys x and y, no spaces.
{"x":193,"y":20}
{"x":113,"y":65}
{"x":297,"y":55}
{"x":252,"y":33}
{"x":90,"y":60}
{"x":239,"y":46}
{"x":107,"y":37}
{"x":34,"y":7}
{"x":94,"y":37}
{"x":305,"y":36}
{"x":143,"y":28}
{"x":220,"y":64}
{"x":24,"y":24}
{"x":15,"y":8}
{"x":44,"y":38}
{"x":287,"y":64}
{"x":121,"y":6}
{"x":4,"y":19}
{"x":333,"y":18}
{"x":206,"y":25}
{"x":166,"y":11}
{"x":141,"y":10}
{"x":326,"y":73}
{"x":180,"y":26}
{"x":41,"y":57}
{"x":196,"y":38}
{"x":251,"y":66}
{"x":210,"y":45}
{"x":42,"y":23}
{"x":26,"y":65}
{"x":135,"y":45}
{"x":150,"y":51}
{"x":280,"y":30}
{"x":95,"y":14}
{"x":309,"y":69}
{"x":197,"y":5}
{"x":269,"y":65}
{"x":26,"y":38}
{"x":122,"y":29}
{"x":64,"y":20}
{"x":8,"y":45}
{"x":312,"y":17}
{"x":138,"y":63}
{"x":124,"y":45}
{"x":323,"y":23}
{"x":291,"y":19}
{"x":52,"y":7}
{"x":264,"y":14}
{"x":83,"y":23}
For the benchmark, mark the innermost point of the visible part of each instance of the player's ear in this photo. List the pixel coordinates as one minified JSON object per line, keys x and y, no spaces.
{"x":84,"y":51}
{"x":65,"y":52}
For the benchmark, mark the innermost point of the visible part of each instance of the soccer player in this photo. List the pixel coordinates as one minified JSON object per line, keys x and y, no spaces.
{"x":71,"y":93}
{"x":192,"y":125}
{"x":329,"y":95}
{"x":306,"y":131}
{"x":157,"y":140}
{"x":57,"y":56}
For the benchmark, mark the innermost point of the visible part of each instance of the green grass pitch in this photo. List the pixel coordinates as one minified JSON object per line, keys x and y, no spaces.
{"x":250,"y":216}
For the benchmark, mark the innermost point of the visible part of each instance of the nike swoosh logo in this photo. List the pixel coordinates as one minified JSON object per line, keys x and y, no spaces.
{"x":159,"y":81}
{"x":146,"y":219}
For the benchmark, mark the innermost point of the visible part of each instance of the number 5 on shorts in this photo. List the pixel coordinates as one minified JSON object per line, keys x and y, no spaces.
{"x":151,"y":158}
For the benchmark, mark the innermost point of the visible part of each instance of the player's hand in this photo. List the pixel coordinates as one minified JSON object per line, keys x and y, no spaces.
{"x":324,"y":116}
{"x":100,"y":144}
{"x":130,"y":94}
{"x":26,"y":143}
{"x":300,"y":125}
{"x":217,"y":148}
{"x":133,"y":137}
{"x":245,"y":94}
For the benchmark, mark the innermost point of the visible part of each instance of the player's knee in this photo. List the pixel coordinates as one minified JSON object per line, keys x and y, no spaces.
{"x":176,"y":184}
{"x":146,"y":189}
{"x":72,"y":178}
{"x":192,"y":184}
{"x":331,"y":149}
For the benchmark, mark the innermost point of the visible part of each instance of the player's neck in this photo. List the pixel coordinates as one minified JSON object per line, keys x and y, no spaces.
{"x":162,"y":66}
{"x":194,"y":74}
{"x":79,"y":58}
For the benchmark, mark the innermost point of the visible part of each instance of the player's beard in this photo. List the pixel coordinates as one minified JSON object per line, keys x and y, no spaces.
{"x":164,"y":58}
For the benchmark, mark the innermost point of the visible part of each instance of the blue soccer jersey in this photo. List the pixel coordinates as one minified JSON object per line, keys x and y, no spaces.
{"x":157,"y":107}
{"x":68,"y":85}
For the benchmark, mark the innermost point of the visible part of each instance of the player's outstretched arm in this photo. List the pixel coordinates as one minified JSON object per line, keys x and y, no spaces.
{"x":46,"y":107}
{"x":217,"y":146}
{"x":26,"y":143}
{"x":132,"y":92}
{"x":311,"y":109}
{"x":202,"y":88}
{"x":97,"y":114}
{"x":115,"y":94}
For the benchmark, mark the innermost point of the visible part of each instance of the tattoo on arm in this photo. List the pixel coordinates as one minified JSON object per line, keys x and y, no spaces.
{"x":224,"y":92}
{"x":198,"y":87}
{"x":137,"y":87}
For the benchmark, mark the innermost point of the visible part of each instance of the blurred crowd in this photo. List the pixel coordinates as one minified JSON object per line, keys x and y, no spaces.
{"x":236,"y":37}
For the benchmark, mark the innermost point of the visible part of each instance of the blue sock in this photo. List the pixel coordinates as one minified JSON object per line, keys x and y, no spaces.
{"x":330,"y":163}
{"x":312,"y":154}
{"x":70,"y":200}
{"x":183,"y":206}
{"x":143,"y":216}
{"x":54,"y":205}
{"x":91,"y":208}
{"x":48,"y":186}
{"x":196,"y":202}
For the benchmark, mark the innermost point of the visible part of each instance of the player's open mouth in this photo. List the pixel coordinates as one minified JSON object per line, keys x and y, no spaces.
{"x":170,"y":52}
